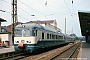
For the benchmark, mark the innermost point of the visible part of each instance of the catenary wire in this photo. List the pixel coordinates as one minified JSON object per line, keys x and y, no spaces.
{"x":24,"y":10}
{"x":17,"y":14}
{"x":67,"y":7}
{"x":31,"y":8}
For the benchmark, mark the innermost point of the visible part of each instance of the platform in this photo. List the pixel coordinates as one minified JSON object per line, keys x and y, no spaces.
{"x":6,"y":50}
{"x":84,"y":53}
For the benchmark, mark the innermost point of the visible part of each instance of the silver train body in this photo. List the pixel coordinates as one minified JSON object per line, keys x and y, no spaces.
{"x":30,"y":37}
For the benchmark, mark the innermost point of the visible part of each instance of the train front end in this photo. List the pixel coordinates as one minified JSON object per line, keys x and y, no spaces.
{"x":23,"y":42}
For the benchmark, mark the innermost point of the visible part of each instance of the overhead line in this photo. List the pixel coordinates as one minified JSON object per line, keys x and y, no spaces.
{"x":27,"y":6}
{"x":17,"y":15}
{"x":67,"y":7}
{"x":24,"y":11}
{"x":18,"y":7}
{"x":22,"y":17}
{"x":31,"y":8}
{"x":6,"y":1}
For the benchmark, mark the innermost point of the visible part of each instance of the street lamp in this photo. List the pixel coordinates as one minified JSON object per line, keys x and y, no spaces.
{"x":32,"y":15}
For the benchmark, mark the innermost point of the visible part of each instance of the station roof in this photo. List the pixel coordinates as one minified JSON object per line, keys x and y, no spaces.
{"x":84,"y":19}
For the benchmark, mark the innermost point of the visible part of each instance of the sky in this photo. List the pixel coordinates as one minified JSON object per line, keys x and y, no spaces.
{"x":47,"y":10}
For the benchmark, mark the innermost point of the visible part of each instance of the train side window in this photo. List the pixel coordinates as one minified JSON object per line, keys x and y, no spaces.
{"x":50,"y":36}
{"x":47,"y":36}
{"x":60,"y":37}
{"x":42,"y":35}
{"x":56,"y":36}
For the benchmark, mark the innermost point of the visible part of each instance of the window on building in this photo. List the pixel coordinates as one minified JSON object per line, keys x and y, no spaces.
{"x":3,"y":30}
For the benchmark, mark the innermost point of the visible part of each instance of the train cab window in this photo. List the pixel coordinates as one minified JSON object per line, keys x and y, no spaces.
{"x":22,"y":32}
{"x":18,"y":32}
{"x":35,"y":32}
{"x":42,"y":35}
{"x":26,"y":32}
{"x":47,"y":36}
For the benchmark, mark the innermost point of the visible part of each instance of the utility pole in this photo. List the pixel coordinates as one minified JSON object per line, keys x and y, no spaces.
{"x":65,"y":25}
{"x":14,"y":17}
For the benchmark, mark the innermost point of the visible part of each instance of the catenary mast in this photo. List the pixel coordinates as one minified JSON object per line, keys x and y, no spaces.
{"x":14,"y":17}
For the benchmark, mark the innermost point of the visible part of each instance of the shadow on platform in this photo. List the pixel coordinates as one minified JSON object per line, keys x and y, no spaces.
{"x":85,"y":45}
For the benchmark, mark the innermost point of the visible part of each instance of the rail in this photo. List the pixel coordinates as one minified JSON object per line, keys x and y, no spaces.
{"x":10,"y":55}
{"x":47,"y":55}
{"x":6,"y":55}
{"x":69,"y":57}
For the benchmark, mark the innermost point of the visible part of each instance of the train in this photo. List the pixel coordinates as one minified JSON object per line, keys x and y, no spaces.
{"x":30,"y":37}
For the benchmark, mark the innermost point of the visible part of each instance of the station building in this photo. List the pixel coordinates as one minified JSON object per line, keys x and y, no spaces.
{"x":5,"y":36}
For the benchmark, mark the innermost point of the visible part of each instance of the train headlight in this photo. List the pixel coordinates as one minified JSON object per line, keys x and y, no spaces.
{"x":17,"y":41}
{"x":28,"y":41}
{"x":22,"y":41}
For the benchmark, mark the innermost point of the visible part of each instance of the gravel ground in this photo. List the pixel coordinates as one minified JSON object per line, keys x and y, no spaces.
{"x":47,"y":55}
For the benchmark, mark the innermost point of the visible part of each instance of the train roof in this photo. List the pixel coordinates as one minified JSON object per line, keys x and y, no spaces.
{"x":68,"y":36}
{"x":31,"y":25}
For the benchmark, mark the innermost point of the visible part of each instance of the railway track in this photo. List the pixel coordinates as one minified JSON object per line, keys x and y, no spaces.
{"x":50,"y":55}
{"x":12,"y":56}
{"x":67,"y":54}
{"x":47,"y":55}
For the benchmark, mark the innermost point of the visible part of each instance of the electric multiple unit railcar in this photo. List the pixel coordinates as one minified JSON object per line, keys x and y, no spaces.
{"x":30,"y":37}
